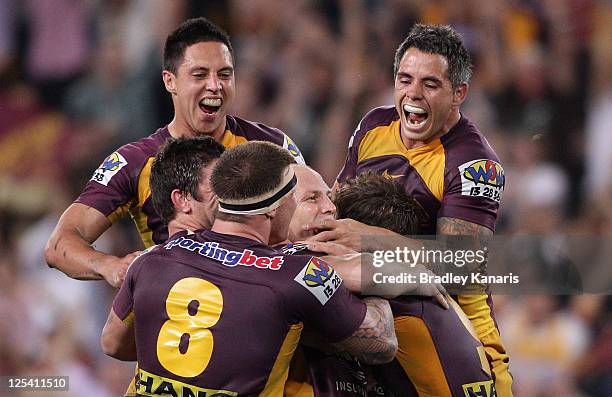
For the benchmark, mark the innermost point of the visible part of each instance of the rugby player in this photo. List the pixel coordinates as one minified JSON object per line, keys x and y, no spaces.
{"x":431,"y":341}
{"x":220,"y":312}
{"x":198,"y":72}
{"x":425,"y":143}
{"x":439,"y":353}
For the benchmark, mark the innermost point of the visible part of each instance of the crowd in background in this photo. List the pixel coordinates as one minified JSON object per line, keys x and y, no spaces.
{"x":78,"y":78}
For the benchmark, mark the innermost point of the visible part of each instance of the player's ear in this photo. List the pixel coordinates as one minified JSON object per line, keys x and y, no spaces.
{"x":460,"y":94}
{"x":181,"y":201}
{"x":169,"y":81}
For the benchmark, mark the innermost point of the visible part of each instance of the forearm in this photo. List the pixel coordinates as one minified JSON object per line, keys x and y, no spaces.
{"x":71,"y":254}
{"x":375,"y":341}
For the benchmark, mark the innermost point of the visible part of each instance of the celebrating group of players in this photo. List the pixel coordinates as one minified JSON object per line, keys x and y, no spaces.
{"x":229,"y":303}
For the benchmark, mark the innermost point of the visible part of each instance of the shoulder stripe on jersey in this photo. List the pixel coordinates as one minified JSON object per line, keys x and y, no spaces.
{"x":418,"y":357}
{"x":144,"y":192}
{"x":428,"y":161}
{"x":280,"y":370}
{"x":230,"y":139}
{"x":120,"y":212}
{"x":379,"y":142}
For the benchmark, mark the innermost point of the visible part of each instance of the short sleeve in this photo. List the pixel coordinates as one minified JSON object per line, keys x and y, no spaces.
{"x":113,"y":186}
{"x":318,"y":298}
{"x":293,"y":149}
{"x":349,"y":170}
{"x":473,"y":192}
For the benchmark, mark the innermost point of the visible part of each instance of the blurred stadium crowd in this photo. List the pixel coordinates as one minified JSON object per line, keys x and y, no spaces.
{"x":80,"y":77}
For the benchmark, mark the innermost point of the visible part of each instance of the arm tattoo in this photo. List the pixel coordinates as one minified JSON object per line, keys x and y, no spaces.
{"x":374,"y":342}
{"x":479,"y":237}
{"x":458,"y":227}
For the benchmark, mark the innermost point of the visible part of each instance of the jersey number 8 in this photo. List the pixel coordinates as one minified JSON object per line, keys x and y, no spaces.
{"x":185,"y":344}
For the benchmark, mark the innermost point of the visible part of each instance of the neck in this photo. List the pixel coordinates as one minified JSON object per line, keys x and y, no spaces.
{"x":179,"y":224}
{"x":180,"y":129}
{"x":254,"y":230}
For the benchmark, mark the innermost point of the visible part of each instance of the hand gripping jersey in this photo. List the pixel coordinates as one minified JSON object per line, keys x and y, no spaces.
{"x":221,"y":315}
{"x":457,"y":175}
{"x":121,"y":183}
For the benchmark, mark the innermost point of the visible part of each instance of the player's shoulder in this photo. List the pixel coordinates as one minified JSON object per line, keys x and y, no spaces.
{"x":145,"y":147}
{"x":256,"y":131}
{"x":464,"y":143}
{"x":252,"y":130}
{"x":381,"y":116}
{"x":137,"y":152}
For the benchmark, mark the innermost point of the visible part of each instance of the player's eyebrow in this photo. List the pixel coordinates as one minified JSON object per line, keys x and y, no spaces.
{"x":431,"y":78}
{"x":205,"y":69}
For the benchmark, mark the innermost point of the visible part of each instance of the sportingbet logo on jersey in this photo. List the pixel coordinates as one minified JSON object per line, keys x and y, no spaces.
{"x":482,"y":178}
{"x":110,"y":166}
{"x":226,"y":257}
{"x":320,"y":279}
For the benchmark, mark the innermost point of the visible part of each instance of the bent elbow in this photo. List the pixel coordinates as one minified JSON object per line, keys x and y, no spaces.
{"x":109,"y":346}
{"x":50,"y":252}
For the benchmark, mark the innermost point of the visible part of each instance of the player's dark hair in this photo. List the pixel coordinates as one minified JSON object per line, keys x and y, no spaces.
{"x":376,"y":200}
{"x":442,"y":40}
{"x":191,"y":32}
{"x":249,"y":170}
{"x":179,"y":165}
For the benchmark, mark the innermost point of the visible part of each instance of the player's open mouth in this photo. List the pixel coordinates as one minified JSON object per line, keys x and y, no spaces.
{"x":415,"y":116}
{"x":210,"y":105}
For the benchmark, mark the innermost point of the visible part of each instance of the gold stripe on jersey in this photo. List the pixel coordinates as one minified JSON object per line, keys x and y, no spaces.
{"x":297,"y":384}
{"x":154,"y":385}
{"x":144,"y":192}
{"x":479,"y":312}
{"x":418,"y":357}
{"x":230,"y":139}
{"x":120,"y":212}
{"x":428,"y":160}
{"x":464,"y":320}
{"x":280,"y":370}
{"x":379,"y":142}
{"x":129,"y":319}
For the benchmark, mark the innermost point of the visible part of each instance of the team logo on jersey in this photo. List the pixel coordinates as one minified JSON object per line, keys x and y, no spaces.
{"x":319,"y":278}
{"x":317,"y":273}
{"x":292,"y":249}
{"x":293,"y":149}
{"x":480,"y":389}
{"x":109,"y":167}
{"x":482,"y":178}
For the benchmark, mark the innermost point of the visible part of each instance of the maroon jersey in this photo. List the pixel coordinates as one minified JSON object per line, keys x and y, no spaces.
{"x":457,"y":175}
{"x":223,"y":314}
{"x":319,"y":374}
{"x":121,"y":183}
{"x":439,"y":354}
